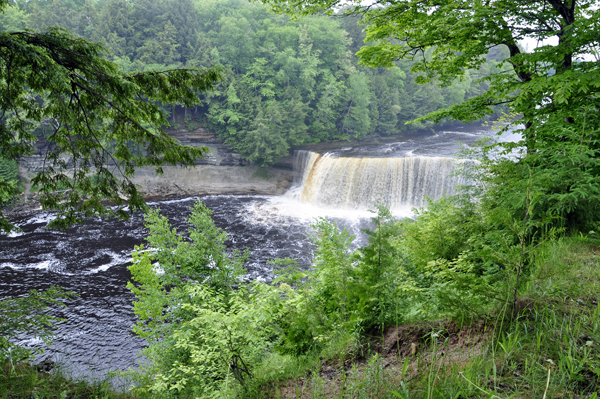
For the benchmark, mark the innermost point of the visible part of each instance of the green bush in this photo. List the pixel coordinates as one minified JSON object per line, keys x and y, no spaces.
{"x":217,"y":347}
{"x":380,"y":266}
{"x":321,"y":307}
{"x":200,"y":332}
{"x":9,"y":170}
{"x":348,"y":293}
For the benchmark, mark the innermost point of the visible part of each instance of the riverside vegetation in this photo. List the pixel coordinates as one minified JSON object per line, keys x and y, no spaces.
{"x":491,"y":293}
{"x":461,"y":302}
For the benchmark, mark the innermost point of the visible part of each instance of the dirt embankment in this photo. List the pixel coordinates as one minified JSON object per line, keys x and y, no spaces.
{"x":400,"y":354}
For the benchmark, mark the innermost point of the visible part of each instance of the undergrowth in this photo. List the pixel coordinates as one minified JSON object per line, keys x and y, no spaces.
{"x":22,"y":380}
{"x":550,"y":349}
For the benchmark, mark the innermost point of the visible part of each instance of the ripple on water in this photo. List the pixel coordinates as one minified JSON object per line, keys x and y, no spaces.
{"x":91,"y":260}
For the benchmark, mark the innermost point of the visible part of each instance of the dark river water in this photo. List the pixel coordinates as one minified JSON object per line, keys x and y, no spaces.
{"x":91,"y":259}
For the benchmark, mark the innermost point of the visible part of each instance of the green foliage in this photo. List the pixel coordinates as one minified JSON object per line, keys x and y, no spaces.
{"x":457,"y":259}
{"x":206,"y":339}
{"x":346,"y":293}
{"x":184,"y":300}
{"x":96,"y":113}
{"x":22,"y":380}
{"x":319,"y":310}
{"x":27,"y":315}
{"x":357,"y":120}
{"x":333,"y":267}
{"x":216,"y":349}
{"x":564,"y":171}
{"x":379,"y":273}
{"x":441,"y":231}
{"x":161,"y":272}
{"x":548,"y":348}
{"x":8,"y":179}
{"x":287,"y":82}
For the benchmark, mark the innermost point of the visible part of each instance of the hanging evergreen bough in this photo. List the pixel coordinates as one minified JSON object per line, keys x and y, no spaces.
{"x":96,"y":112}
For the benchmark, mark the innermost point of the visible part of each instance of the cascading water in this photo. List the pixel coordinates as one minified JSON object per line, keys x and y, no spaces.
{"x":92,"y":259}
{"x":356,"y":183}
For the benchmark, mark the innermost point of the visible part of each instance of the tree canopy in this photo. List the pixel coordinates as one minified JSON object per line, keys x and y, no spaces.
{"x":95,"y":118}
{"x":552,"y":88}
{"x":285,"y":82}
{"x":447,"y":38}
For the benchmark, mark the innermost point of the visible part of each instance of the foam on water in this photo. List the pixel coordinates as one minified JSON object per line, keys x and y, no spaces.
{"x":39,"y":218}
{"x":50,"y":264}
{"x":116,"y":260}
{"x":277,"y":209}
{"x":15,"y":233}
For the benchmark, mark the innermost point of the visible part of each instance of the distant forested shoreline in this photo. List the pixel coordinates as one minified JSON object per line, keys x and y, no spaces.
{"x":285,"y":82}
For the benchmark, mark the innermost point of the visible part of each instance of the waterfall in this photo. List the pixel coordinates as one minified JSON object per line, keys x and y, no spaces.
{"x":361,"y":182}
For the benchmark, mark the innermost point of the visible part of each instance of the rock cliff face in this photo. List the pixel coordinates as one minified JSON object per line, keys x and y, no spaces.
{"x":222,"y":171}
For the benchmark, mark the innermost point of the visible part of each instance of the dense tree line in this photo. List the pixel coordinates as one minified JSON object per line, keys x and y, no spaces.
{"x":93,"y":115}
{"x":286,"y":82}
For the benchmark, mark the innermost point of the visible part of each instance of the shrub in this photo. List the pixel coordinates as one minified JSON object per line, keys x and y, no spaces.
{"x":379,"y":270}
{"x":197,"y":327}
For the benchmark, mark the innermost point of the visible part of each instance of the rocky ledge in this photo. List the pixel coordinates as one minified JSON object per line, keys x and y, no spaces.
{"x":221,"y":171}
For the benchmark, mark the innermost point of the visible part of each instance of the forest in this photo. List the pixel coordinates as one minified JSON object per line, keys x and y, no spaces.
{"x":488,"y":293}
{"x":285,"y":82}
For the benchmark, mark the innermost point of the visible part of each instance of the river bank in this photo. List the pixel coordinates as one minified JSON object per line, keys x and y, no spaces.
{"x":221,"y":171}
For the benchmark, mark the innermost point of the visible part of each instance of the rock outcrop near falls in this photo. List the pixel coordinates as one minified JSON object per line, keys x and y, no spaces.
{"x":222,"y":171}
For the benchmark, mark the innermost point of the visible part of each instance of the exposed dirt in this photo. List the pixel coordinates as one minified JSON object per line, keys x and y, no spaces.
{"x":419,"y":345}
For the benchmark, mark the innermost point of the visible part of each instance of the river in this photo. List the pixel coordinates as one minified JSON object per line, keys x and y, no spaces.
{"x":91,"y":259}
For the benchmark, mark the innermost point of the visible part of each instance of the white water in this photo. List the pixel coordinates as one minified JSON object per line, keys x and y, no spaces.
{"x":359,"y":183}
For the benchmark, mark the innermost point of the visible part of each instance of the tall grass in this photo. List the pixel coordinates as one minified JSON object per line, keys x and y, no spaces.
{"x":22,"y":380}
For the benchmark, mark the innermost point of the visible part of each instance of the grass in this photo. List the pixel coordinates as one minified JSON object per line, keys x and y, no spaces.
{"x":550,"y":349}
{"x":22,"y":380}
